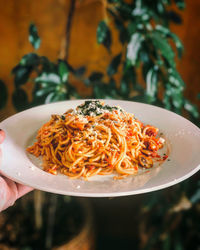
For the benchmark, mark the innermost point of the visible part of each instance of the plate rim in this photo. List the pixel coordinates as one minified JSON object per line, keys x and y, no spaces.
{"x":112,"y":194}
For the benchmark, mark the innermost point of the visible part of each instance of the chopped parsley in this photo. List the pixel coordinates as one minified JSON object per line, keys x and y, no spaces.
{"x":94,"y":108}
{"x":62,"y":117}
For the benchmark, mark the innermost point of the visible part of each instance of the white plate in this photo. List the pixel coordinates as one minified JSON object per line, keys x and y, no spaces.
{"x":182,"y":136}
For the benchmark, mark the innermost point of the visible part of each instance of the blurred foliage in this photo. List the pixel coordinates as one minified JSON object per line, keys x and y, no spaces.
{"x":50,"y":81}
{"x":149,"y":51}
{"x":34,"y":38}
{"x":173,"y":215}
{"x":14,"y":236}
{"x":3,"y":94}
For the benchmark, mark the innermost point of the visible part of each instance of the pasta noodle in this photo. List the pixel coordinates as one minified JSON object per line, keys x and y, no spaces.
{"x":96,"y":139}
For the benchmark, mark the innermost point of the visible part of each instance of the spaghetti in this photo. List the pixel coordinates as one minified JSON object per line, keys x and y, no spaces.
{"x":96,"y":139}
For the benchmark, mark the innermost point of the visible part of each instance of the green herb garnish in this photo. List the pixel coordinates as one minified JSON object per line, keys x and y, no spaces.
{"x":94,"y":108}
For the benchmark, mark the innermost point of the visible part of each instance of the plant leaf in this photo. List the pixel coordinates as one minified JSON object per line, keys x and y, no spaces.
{"x":34,"y":38}
{"x":20,"y":99}
{"x":21,"y":75}
{"x":123,"y":32}
{"x":160,"y":8}
{"x":167,"y":2}
{"x":102,"y":90}
{"x":130,"y":77}
{"x":144,"y":56}
{"x":124,"y":86}
{"x":191,"y":108}
{"x":173,"y":96}
{"x":47,"y":66}
{"x":125,"y":10}
{"x":104,"y":35}
{"x":55,"y":97}
{"x":162,"y":44}
{"x":178,"y":44}
{"x":63,"y":71}
{"x":152,"y":83}
{"x":112,"y":83}
{"x":166,"y":101}
{"x":30,"y":60}
{"x":98,"y":91}
{"x":3,"y":94}
{"x":173,"y":16}
{"x":102,"y":30}
{"x":132,"y":27}
{"x":175,"y":79}
{"x":180,"y":4}
{"x":195,"y":197}
{"x":80,"y":71}
{"x":175,"y":38}
{"x":133,"y":47}
{"x":48,"y":78}
{"x":114,"y":1}
{"x":146,"y":67}
{"x":141,"y":98}
{"x":111,"y":88}
{"x":50,"y":97}
{"x":71,"y":92}
{"x":113,"y":66}
{"x":44,"y":91}
{"x":95,"y":76}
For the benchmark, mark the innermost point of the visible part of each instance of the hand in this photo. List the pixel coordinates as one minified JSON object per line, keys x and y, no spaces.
{"x":10,"y":191}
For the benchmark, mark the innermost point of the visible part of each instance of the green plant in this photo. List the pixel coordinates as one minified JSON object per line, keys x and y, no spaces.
{"x":144,"y":33}
{"x":146,"y":53}
{"x":50,"y":80}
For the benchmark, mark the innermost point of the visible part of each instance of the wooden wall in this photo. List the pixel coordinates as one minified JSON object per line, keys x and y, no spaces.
{"x":189,"y":34}
{"x":51,"y":17}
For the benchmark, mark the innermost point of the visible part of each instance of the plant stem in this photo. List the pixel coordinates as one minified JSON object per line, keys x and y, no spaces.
{"x":68,"y":27}
{"x":51,"y":221}
{"x":38,"y":201}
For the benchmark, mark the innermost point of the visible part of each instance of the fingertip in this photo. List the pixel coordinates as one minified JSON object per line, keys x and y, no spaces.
{"x":2,"y":136}
{"x":0,"y":158}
